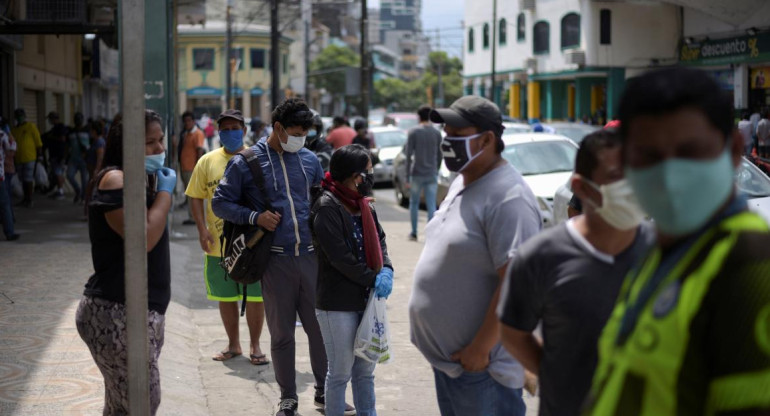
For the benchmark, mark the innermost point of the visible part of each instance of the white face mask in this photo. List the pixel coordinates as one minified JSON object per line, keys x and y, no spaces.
{"x":619,"y":209}
{"x":293,"y":143}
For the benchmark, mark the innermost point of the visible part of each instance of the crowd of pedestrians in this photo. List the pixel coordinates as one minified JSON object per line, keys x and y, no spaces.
{"x":615,"y":314}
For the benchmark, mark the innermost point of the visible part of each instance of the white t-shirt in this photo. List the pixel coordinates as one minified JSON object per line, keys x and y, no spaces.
{"x":744,"y":126}
{"x":763,"y":132}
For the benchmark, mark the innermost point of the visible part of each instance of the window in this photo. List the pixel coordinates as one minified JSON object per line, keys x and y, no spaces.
{"x":570,"y":30}
{"x":285,"y":63}
{"x":407,"y":51}
{"x":237,"y":55}
{"x":257,"y":58}
{"x":541,"y":39}
{"x":521,"y":28}
{"x":605,"y":34}
{"x":203,"y":59}
{"x":485,"y":36}
{"x":470,"y":40}
{"x":503,"y":31}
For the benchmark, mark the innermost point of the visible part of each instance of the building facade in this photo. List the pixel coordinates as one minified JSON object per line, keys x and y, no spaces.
{"x":565,"y":59}
{"x":201,"y":67}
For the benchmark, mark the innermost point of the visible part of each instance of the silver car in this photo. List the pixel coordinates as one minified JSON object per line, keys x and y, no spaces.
{"x":389,"y":141}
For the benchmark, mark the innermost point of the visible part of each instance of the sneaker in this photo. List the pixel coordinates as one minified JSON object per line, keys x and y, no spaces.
{"x":412,"y":237}
{"x":13,"y":237}
{"x":287,"y":407}
{"x":188,"y":222}
{"x":320,"y":402}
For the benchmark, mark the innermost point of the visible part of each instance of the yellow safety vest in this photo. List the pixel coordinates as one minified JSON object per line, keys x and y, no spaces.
{"x":665,"y":364}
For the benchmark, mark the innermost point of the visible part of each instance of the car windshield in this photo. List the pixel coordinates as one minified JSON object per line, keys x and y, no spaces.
{"x":576,"y":133}
{"x":390,"y":138}
{"x":537,"y":158}
{"x":406,"y":123}
{"x":752,"y":181}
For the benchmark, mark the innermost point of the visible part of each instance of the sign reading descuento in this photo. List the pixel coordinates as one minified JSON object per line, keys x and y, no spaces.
{"x":727,"y":50}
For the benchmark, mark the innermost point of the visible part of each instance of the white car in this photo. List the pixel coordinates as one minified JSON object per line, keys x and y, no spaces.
{"x":544,"y":160}
{"x":748,"y":178}
{"x":389,"y":140}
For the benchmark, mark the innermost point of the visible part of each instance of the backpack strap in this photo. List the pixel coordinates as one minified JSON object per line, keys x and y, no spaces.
{"x":256,"y":172}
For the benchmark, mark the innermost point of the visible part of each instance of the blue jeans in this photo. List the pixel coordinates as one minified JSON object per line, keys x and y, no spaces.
{"x":477,"y":394}
{"x":339,"y":332}
{"x":6,"y":213}
{"x":417,"y":184}
{"x":74,"y":167}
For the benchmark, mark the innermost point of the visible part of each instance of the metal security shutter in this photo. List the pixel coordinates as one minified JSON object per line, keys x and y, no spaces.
{"x":29,"y":104}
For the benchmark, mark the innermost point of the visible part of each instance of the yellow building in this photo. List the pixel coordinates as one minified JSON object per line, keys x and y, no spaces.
{"x":201,"y":68}
{"x":49,"y":77}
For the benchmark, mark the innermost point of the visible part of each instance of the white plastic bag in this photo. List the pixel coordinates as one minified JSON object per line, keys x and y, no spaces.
{"x":373,"y":336}
{"x":41,"y":176}
{"x":18,"y":190}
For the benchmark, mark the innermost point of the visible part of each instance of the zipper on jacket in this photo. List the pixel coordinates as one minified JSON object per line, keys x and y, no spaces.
{"x":291,"y":204}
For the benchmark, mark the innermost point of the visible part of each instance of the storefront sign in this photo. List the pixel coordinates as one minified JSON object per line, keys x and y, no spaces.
{"x":760,"y":78}
{"x":257,"y":91}
{"x":204,"y":91}
{"x":726,"y":51}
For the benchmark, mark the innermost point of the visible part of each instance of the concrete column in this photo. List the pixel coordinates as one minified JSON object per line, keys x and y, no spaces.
{"x":246,"y":102}
{"x":515,"y":107}
{"x":571,"y":100}
{"x":533,"y":99}
{"x":546,"y":109}
{"x":582,"y":98}
{"x":741,"y":85}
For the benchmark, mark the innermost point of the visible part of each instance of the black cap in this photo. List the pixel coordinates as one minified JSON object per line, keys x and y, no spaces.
{"x":234,"y":114}
{"x":471,"y":111}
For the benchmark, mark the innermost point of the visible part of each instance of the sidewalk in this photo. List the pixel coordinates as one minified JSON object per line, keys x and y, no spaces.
{"x":46,"y":369}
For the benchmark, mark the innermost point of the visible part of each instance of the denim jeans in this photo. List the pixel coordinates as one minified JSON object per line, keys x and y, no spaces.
{"x":74,"y":167}
{"x":417,"y":185}
{"x":339,"y":332}
{"x":477,"y":394}
{"x":6,"y":213}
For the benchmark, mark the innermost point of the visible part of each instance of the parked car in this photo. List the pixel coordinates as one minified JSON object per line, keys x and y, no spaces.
{"x":389,"y":140}
{"x":400,"y":179}
{"x":575,"y":131}
{"x":749,"y":179}
{"x":511,"y":127}
{"x":404,"y":121}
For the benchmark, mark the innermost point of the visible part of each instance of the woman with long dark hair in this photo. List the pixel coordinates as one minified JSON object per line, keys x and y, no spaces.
{"x":101,"y":315}
{"x":353,"y":265}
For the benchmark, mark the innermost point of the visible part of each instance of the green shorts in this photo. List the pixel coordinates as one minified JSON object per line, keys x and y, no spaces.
{"x":226,"y":290}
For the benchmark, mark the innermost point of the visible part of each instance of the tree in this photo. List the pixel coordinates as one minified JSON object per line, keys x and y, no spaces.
{"x":396,"y":94}
{"x":331,"y":64}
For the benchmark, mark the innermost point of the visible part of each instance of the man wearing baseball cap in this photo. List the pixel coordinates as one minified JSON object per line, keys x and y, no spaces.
{"x":203,"y":182}
{"x":488,"y":212}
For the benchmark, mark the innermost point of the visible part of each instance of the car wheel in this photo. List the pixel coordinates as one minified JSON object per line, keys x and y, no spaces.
{"x":400,"y":195}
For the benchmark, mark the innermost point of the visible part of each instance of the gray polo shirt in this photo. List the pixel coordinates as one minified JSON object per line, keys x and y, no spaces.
{"x":560,"y":280}
{"x":472,"y":235}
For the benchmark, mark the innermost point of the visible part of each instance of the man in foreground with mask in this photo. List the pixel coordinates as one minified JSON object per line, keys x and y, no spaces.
{"x":203,"y":182}
{"x":289,"y":283}
{"x":569,"y":277}
{"x":488,"y":212}
{"x":690,"y":333}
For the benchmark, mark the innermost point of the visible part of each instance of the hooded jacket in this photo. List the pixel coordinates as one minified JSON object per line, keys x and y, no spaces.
{"x":288,"y":179}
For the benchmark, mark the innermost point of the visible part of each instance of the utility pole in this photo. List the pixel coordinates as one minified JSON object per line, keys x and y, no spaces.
{"x":494,"y":49}
{"x":307,"y":16}
{"x":440,"y":92}
{"x":229,"y":57}
{"x":132,"y":37}
{"x":275,"y":75}
{"x":364,"y":62}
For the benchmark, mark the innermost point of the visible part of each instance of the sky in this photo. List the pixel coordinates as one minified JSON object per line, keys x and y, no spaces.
{"x":445,"y":15}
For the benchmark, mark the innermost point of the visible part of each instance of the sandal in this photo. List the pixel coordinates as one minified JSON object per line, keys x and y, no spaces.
{"x":225,"y":355}
{"x":259,"y":359}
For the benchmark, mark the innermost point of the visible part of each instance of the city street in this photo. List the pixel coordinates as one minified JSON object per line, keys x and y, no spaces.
{"x":45,"y":368}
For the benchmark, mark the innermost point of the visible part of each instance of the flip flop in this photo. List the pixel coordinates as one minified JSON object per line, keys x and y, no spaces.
{"x":259,"y":359}
{"x":225,"y":355}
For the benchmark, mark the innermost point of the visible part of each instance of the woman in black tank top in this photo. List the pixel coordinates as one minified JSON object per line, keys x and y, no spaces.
{"x":101,"y":317}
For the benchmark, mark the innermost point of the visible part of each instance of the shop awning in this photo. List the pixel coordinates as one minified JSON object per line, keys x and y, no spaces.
{"x":257,"y":91}
{"x":733,"y":12}
{"x":204,"y":91}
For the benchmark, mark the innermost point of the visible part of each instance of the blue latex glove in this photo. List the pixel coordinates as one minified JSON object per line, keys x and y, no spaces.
{"x":383,"y":283}
{"x":166,"y":180}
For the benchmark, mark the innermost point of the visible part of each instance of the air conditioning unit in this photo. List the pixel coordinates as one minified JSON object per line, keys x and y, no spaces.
{"x":575,"y":56}
{"x":530,"y":64}
{"x":527,"y":5}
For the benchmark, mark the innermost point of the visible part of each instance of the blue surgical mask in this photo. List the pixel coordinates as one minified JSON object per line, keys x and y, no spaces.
{"x":153,"y":163}
{"x":232,"y":140}
{"x":681,"y":195}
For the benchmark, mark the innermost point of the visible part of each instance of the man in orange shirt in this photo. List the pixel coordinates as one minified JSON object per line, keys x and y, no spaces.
{"x":341,"y":134}
{"x":191,"y":150}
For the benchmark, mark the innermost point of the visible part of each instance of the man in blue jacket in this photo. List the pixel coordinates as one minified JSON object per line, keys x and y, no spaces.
{"x":289,"y":284}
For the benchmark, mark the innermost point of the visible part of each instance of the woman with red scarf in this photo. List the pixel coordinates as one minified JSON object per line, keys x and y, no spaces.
{"x":353,"y":265}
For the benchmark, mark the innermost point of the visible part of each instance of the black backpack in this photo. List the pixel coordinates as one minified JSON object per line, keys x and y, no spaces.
{"x":246,"y":248}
